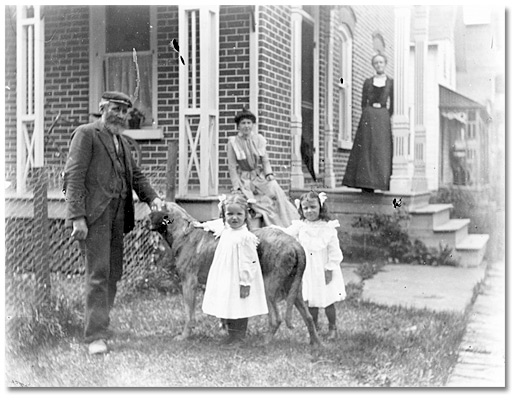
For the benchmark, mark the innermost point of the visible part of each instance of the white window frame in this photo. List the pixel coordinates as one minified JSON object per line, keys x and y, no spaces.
{"x":97,"y":55}
{"x":344,"y":87}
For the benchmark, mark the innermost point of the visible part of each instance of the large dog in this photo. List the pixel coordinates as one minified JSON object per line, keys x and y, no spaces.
{"x":282,"y":260}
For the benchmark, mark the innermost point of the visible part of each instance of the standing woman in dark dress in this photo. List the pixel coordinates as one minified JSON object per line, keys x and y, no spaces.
{"x":370,"y":164}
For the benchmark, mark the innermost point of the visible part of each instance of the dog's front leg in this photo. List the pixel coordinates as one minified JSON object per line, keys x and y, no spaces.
{"x":189,"y":292}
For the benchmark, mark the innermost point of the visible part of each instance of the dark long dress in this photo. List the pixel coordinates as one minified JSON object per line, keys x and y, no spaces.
{"x":370,"y":162}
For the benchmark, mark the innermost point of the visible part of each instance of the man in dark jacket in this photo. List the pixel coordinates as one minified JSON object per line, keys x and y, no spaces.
{"x":99,"y":177}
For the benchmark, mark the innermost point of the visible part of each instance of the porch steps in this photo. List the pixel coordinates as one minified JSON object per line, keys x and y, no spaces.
{"x":432,"y":225}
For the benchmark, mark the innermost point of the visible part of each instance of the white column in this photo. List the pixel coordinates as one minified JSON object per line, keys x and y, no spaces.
{"x":198,"y":149}
{"x":184,"y":28}
{"x":330,"y":179}
{"x":420,"y":36}
{"x":209,"y":78}
{"x":30,"y":93}
{"x":402,"y":163}
{"x":297,"y":180}
{"x":39,"y":68}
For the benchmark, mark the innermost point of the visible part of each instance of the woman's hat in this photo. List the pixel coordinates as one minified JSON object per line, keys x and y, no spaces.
{"x":245,"y":114}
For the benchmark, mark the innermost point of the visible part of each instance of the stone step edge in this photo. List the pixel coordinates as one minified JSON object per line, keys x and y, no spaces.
{"x":452,"y":225}
{"x":430,"y":209}
{"x":473,"y":242}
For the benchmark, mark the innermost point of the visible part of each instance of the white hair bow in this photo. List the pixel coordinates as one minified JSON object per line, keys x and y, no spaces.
{"x":297,"y":203}
{"x":221,"y":199}
{"x":322,"y":196}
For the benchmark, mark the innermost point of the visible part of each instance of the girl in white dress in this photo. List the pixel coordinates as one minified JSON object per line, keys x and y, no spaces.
{"x":235,"y":287}
{"x":322,"y":283}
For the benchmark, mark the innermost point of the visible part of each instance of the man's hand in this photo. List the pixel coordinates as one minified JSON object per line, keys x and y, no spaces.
{"x":157,"y":204}
{"x":328,"y":276}
{"x":244,"y":291}
{"x":79,"y":229}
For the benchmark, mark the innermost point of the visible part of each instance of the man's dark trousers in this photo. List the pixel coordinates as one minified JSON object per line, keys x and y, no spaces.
{"x":103,"y":249}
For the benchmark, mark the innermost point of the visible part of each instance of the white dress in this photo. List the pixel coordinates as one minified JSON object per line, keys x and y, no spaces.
{"x":235,"y":263}
{"x":321,"y":244}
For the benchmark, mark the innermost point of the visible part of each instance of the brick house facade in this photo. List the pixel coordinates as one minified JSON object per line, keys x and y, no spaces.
{"x":67,"y":78}
{"x":300,"y":69}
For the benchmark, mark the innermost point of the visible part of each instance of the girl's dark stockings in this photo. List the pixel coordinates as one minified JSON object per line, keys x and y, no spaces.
{"x":330,"y":312}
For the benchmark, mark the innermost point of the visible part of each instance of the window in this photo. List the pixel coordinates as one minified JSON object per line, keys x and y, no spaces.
{"x":115,"y":32}
{"x":472,"y":124}
{"x":344,"y":86}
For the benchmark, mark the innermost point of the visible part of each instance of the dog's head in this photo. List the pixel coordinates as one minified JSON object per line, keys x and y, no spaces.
{"x":172,"y":223}
{"x":159,"y":221}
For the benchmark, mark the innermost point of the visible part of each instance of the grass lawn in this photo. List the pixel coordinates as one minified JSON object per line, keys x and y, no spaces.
{"x":377,"y":347}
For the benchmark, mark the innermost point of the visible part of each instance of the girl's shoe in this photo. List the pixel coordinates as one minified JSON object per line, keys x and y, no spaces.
{"x":228,"y":340}
{"x":332,"y":334}
{"x":223,"y":327}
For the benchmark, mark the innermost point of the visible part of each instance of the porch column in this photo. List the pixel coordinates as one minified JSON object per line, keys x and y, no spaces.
{"x":29,"y":92}
{"x":198,"y":100}
{"x":402,"y":163}
{"x":297,"y":180}
{"x":420,"y":36}
{"x":330,"y":179}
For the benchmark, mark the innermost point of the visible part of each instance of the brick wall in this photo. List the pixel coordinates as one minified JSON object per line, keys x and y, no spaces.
{"x":234,"y":73}
{"x":274,"y":75}
{"x":10,"y":92}
{"x":66,"y":76}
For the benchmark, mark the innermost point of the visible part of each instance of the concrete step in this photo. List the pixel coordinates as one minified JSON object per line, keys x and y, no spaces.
{"x":471,"y":250}
{"x":450,"y":233}
{"x":430,"y":216}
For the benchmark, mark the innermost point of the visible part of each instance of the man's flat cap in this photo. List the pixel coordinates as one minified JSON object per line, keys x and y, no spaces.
{"x":117,"y":97}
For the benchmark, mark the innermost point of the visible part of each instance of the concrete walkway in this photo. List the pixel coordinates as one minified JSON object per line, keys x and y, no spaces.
{"x":482,"y":355}
{"x":482,"y":352}
{"x":418,"y":286}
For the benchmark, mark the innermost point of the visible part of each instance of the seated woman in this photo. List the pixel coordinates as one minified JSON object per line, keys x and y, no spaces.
{"x":250,"y":172}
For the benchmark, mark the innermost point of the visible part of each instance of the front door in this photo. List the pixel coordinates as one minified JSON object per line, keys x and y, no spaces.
{"x":307,"y":146}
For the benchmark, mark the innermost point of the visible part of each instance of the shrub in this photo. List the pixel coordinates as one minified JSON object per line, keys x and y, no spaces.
{"x":388,"y":235}
{"x":367,"y":270}
{"x":354,"y":292}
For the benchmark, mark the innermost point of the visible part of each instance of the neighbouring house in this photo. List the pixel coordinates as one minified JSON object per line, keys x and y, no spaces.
{"x":300,"y":69}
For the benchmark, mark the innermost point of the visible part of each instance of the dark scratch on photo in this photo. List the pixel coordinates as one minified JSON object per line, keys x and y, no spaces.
{"x":175,"y":46}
